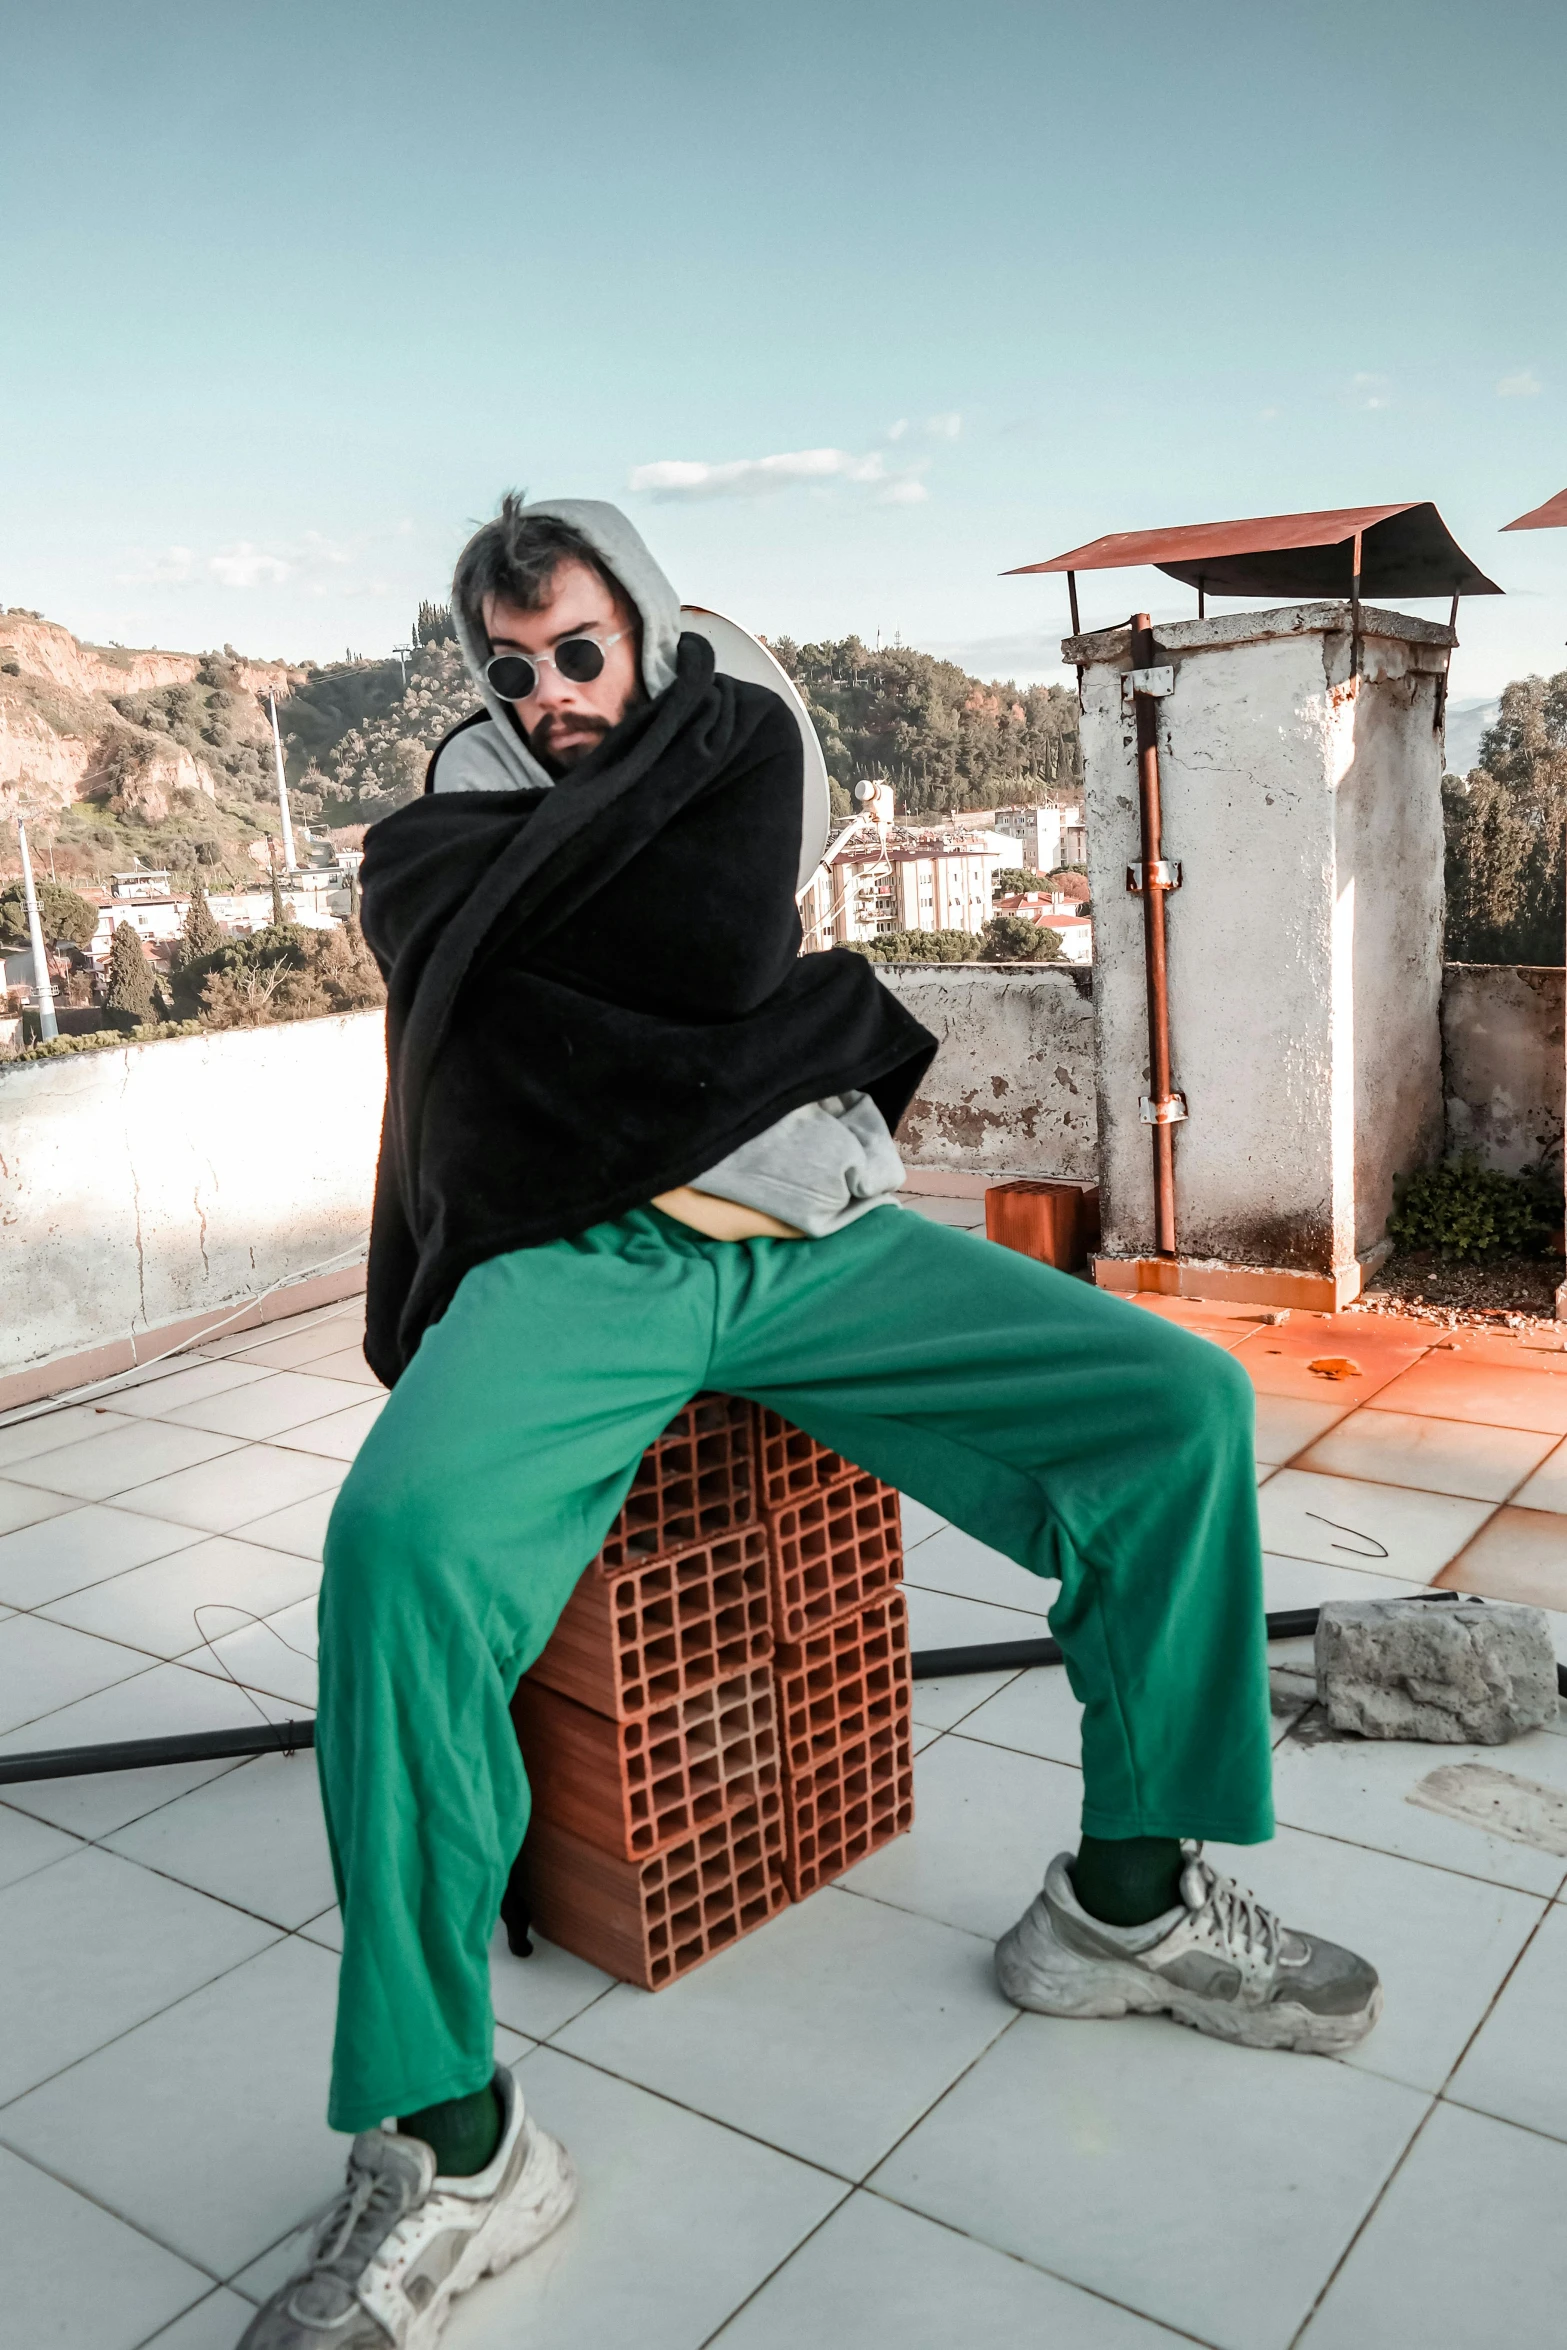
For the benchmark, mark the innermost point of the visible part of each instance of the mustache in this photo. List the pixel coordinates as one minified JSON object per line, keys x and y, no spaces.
{"x":544,"y":732}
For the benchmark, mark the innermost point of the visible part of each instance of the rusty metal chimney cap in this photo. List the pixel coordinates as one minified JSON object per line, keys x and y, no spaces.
{"x":1404,"y":551}
{"x":1551,"y":516}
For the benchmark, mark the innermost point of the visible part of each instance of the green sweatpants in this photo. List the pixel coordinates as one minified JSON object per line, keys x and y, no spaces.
{"x":1095,"y":1444}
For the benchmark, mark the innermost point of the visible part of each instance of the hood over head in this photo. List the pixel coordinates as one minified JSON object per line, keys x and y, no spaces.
{"x":621,"y":549}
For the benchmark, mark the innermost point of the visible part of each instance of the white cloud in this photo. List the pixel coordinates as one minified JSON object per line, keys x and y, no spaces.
{"x":1370,"y":391}
{"x":1526,"y":385}
{"x":905,"y":491}
{"x":752,"y":477}
{"x":245,"y":566}
{"x":169,"y":569}
{"x":944,"y":428}
{"x":895,"y":432}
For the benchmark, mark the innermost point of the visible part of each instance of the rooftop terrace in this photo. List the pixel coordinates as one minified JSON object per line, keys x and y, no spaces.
{"x":837,"y":2130}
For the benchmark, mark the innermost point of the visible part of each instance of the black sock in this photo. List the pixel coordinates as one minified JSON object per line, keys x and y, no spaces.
{"x":1126,"y":1880}
{"x":463,"y":2132}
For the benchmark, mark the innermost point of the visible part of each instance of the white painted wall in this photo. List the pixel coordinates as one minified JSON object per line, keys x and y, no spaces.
{"x":1503,"y":1058}
{"x":163,"y":1180}
{"x":1304,"y":806}
{"x":1011,"y":1091}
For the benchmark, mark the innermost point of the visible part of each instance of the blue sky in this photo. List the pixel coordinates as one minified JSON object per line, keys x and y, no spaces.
{"x":292,"y":292}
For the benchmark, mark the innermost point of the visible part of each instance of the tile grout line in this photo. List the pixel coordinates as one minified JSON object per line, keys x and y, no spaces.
{"x":1038,"y":2268}
{"x":1439,"y":2098}
{"x":279,"y":1934}
{"x":776,"y":2270}
{"x":136,"y":2227}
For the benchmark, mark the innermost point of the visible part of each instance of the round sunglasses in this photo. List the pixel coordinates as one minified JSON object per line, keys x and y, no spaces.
{"x":579,"y":659}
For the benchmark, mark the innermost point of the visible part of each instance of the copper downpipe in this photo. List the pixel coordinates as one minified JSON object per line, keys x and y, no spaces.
{"x":1154,"y":891}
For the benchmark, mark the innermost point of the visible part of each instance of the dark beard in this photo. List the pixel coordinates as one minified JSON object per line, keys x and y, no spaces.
{"x":541,"y":745}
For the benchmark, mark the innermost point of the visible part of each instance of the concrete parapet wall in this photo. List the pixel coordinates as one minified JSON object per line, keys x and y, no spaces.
{"x":144,"y":1187}
{"x":1504,"y":1062}
{"x":1011,"y":1091}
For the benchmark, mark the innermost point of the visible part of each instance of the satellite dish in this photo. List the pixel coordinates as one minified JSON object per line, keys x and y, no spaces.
{"x":739,"y":654}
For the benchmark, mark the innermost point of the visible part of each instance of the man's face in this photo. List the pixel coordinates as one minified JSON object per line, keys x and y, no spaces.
{"x":563,"y":720}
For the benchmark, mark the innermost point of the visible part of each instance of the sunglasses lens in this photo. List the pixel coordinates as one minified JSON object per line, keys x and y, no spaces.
{"x":512,"y":677}
{"x":580,"y":659}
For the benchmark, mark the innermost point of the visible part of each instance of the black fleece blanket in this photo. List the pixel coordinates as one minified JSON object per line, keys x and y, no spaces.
{"x":596,"y":992}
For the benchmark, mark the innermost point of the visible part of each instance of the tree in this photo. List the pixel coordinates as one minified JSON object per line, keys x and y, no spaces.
{"x":130,"y":997}
{"x":945,"y":739}
{"x":199,"y":933}
{"x":1504,"y":823}
{"x":921,"y":946}
{"x":1012,"y":938}
{"x":61,"y":913}
{"x":1017,"y":880}
{"x":433,"y":625}
{"x":279,"y":914}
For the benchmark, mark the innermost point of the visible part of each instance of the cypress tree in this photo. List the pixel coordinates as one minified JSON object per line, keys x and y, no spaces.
{"x":199,"y":933}
{"x":279,"y":918}
{"x":129,"y":1000}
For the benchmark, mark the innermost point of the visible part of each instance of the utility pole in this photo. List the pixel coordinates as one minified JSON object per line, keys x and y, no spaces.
{"x":282,"y":789}
{"x":48,"y":1025}
{"x":403,"y":654}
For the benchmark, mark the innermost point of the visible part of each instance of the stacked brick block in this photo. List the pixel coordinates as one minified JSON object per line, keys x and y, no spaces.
{"x":720,"y":1722}
{"x":841,"y":1655}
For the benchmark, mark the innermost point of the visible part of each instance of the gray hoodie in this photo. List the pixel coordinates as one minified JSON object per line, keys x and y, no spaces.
{"x":495,"y":757}
{"x":820,"y":1167}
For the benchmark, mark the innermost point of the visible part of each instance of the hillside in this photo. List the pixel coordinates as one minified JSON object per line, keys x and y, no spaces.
{"x":944,"y":739}
{"x":116,"y":753}
{"x":167,"y":756}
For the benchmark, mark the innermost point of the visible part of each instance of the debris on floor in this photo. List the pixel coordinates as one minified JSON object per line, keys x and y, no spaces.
{"x":1522,"y":1810}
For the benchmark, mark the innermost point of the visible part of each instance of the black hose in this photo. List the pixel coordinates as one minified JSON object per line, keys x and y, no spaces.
{"x":928,"y":1664}
{"x":1011,"y":1656}
{"x":139,"y":1754}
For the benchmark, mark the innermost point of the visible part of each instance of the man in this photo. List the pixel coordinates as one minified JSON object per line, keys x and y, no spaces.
{"x":637,"y":1145}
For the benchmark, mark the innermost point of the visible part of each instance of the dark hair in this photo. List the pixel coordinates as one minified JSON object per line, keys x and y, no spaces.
{"x":517,"y":556}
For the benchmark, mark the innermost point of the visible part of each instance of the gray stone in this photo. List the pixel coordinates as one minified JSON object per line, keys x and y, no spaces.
{"x":1466,"y":1674}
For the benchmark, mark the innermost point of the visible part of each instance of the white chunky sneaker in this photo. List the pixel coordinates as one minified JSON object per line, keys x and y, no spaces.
{"x":399,"y":2244}
{"x":1221,"y":1963}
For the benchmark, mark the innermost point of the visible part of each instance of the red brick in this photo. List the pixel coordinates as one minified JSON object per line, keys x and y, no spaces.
{"x":832,"y":1552}
{"x":1056,"y":1222}
{"x":844,"y":1724}
{"x":792,"y":1465}
{"x":633,"y":1788}
{"x":647,"y":1921}
{"x":695,"y":1481}
{"x":654,"y":1634}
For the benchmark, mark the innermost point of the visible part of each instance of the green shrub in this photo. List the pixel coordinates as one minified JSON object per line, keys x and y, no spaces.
{"x":104,"y":1040}
{"x":1466,"y":1213}
{"x":921,"y":946}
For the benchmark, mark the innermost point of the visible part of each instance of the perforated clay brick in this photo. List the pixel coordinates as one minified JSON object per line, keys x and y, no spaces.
{"x":790,"y":1464}
{"x":654,"y":1634}
{"x":647,"y":1921}
{"x":844,"y":1696}
{"x":832,"y":1552}
{"x":695,"y":1481}
{"x":634,"y":1787}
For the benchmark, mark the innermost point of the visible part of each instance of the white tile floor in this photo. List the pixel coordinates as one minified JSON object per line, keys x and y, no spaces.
{"x":837,"y":2130}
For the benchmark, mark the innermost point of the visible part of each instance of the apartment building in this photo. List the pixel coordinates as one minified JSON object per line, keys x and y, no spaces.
{"x":1044,"y":837}
{"x":875,"y":879}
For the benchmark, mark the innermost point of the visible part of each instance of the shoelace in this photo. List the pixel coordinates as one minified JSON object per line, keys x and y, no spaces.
{"x":378,"y":2197}
{"x":1239,"y":1916}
